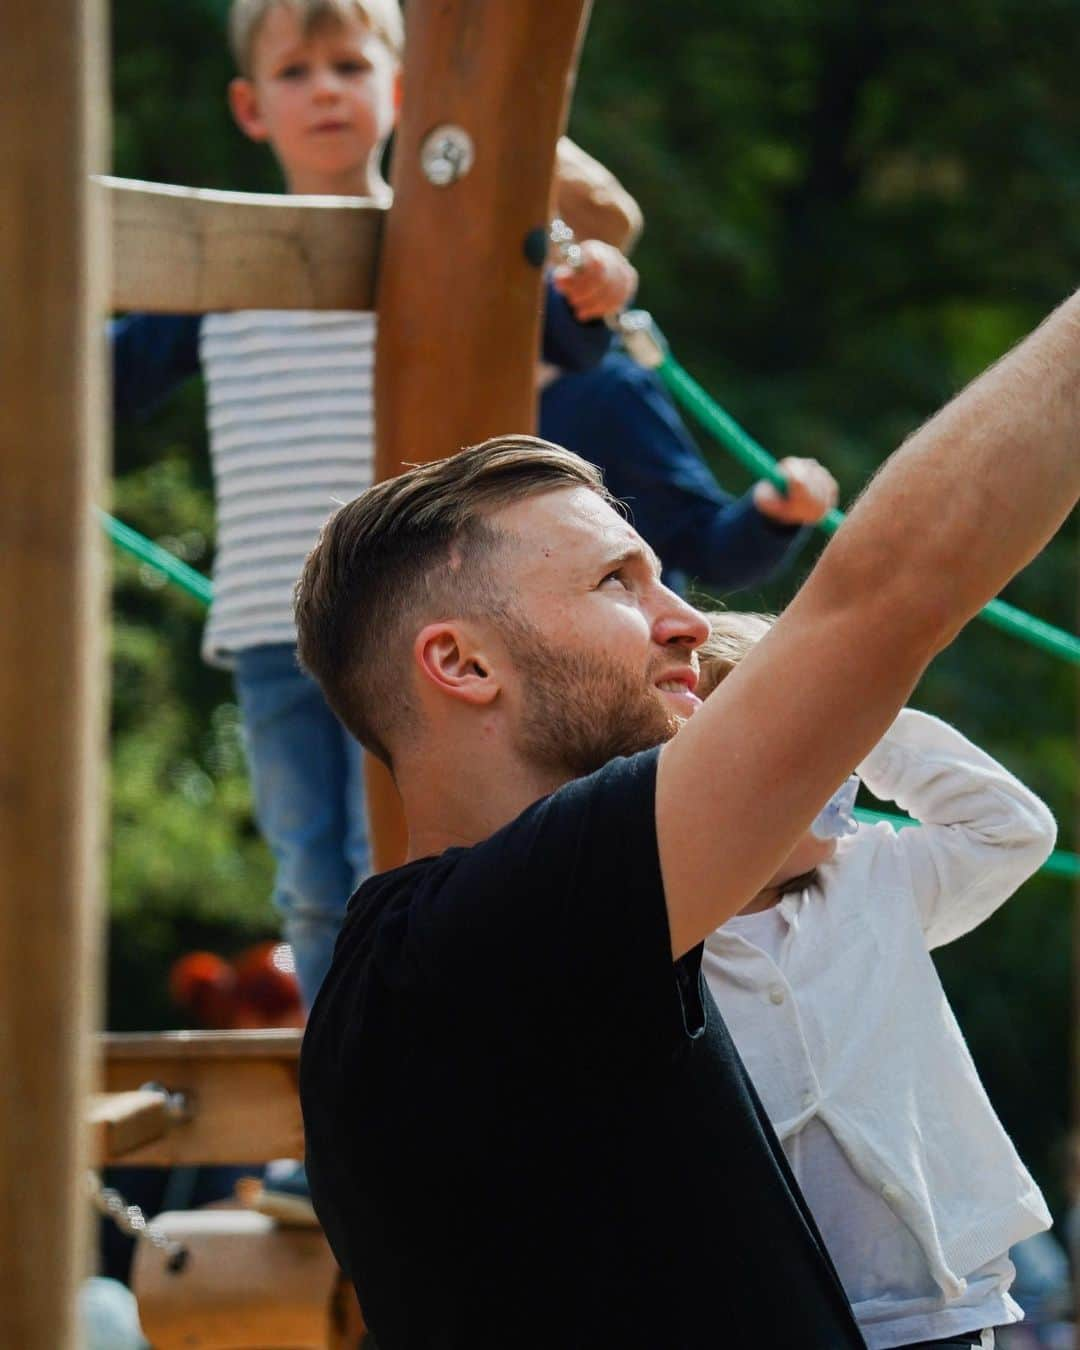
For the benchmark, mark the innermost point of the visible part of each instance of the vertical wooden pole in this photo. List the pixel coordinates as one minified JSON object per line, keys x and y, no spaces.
{"x":458,"y":299}
{"x":52,"y":255}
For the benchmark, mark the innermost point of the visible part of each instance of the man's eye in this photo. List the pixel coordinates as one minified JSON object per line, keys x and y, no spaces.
{"x":617,"y":575}
{"x":293,"y":72}
{"x":353,"y":67}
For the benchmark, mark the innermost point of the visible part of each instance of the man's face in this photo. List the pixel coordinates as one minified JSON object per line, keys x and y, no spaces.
{"x":602,"y":654}
{"x":324,"y":101}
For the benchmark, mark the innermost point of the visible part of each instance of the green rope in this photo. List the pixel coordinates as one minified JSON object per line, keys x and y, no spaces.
{"x":160,"y":559}
{"x":1059,"y":863}
{"x":757,"y":459}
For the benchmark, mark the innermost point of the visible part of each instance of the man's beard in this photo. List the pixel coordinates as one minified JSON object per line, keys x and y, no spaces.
{"x":582,"y":709}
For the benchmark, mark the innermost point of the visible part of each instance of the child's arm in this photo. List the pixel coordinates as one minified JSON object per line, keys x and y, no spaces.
{"x":567,"y":342}
{"x":591,"y":199}
{"x":151,"y":355}
{"x":607,"y":221}
{"x":983,"y":832}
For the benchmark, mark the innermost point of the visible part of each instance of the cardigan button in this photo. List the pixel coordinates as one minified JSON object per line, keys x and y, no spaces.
{"x":890,"y":1192}
{"x":776,"y":994}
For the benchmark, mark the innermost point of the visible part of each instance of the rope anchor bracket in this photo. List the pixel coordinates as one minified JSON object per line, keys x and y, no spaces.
{"x":179,"y":1105}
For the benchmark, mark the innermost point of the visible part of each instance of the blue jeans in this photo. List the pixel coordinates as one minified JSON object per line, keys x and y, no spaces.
{"x":308,"y":782}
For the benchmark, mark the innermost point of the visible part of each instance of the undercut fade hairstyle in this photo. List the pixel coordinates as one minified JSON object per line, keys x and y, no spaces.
{"x":246,"y":18}
{"x":731,"y":636}
{"x":408,"y":551}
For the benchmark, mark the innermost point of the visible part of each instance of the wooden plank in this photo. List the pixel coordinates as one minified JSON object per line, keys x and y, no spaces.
{"x":241,"y":1085}
{"x":187,"y":250}
{"x":122,"y":1121}
{"x":458,"y":300}
{"x":272,"y":1043}
{"x":53,"y":283}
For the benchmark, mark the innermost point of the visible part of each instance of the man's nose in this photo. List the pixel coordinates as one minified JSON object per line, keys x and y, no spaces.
{"x":679,"y":624}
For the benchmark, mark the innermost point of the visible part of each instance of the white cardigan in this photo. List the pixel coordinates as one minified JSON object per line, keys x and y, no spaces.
{"x":857,"y":1029}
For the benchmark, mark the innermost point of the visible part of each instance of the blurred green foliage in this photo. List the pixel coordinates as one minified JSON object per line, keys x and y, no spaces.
{"x":852,"y":207}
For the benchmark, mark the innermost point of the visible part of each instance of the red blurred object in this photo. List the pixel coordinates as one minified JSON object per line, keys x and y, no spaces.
{"x":267,"y":991}
{"x":258,"y":989}
{"x":205,"y":986}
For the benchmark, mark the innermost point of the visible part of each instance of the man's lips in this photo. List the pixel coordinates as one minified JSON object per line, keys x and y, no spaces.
{"x":330,"y":126}
{"x":680,"y":685}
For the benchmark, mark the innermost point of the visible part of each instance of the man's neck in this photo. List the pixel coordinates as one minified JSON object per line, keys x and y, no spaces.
{"x":468,"y":803}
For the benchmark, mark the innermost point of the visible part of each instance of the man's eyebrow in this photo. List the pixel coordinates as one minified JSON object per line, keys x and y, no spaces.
{"x":635,"y":553}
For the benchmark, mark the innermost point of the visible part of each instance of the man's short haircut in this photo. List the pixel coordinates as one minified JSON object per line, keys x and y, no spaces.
{"x":408,"y":551}
{"x":731,"y":636}
{"x":246,"y":18}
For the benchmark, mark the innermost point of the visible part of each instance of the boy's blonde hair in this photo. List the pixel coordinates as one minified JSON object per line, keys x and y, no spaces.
{"x":246,"y":17}
{"x":731,"y":636}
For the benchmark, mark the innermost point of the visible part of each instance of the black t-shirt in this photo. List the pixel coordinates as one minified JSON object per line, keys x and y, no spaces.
{"x":528,"y":1127}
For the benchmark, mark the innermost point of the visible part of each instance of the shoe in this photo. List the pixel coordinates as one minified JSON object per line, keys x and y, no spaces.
{"x":284,"y":1195}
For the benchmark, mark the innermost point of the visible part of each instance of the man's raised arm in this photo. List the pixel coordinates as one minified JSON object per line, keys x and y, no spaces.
{"x":962,"y":506}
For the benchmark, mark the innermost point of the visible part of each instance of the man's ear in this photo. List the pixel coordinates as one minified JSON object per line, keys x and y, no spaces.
{"x":244,"y":105}
{"x":450,"y":658}
{"x":399,"y":92}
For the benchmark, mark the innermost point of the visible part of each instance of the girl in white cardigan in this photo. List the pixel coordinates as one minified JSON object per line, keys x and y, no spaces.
{"x":826,"y":984}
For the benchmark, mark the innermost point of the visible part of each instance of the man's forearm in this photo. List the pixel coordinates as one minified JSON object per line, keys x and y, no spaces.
{"x":949,"y":519}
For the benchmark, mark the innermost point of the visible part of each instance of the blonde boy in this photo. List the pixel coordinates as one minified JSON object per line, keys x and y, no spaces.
{"x":826,"y":984}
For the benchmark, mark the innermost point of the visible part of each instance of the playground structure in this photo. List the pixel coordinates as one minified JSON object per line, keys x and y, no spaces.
{"x":434,"y":274}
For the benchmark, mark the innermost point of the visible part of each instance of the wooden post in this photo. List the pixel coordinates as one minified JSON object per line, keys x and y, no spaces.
{"x":458,"y":300}
{"x":51,"y":619}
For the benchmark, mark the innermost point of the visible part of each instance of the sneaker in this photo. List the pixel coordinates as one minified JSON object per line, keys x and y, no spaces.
{"x":284,"y":1195}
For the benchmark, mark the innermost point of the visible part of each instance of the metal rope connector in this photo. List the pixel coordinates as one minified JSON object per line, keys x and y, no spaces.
{"x":133,"y":1222}
{"x":642,"y":339}
{"x":565,"y":245}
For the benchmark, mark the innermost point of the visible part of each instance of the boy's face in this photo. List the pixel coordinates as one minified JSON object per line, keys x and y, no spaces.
{"x":324,"y":102}
{"x":808,"y":853}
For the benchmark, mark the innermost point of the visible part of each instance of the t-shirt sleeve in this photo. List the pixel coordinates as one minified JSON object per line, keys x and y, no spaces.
{"x":563,"y":909}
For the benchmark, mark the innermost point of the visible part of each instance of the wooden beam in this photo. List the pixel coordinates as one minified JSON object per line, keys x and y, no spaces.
{"x":240,"y":1085}
{"x":53,"y":285}
{"x":142,"y":1047}
{"x":183,"y":250}
{"x":122,"y":1121}
{"x":458,"y":299}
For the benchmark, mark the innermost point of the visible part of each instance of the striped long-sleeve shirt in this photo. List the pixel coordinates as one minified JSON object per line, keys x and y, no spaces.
{"x":291,"y":420}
